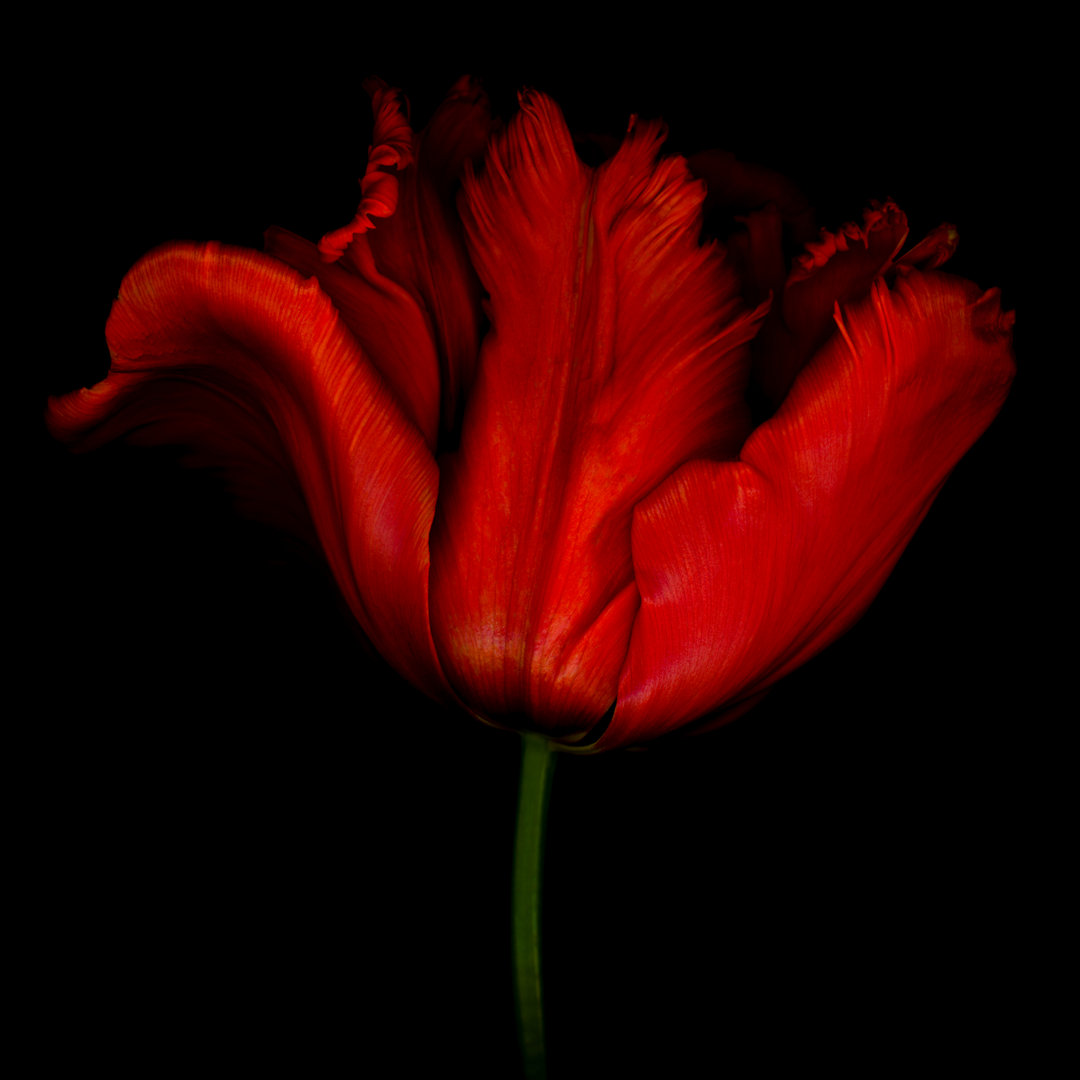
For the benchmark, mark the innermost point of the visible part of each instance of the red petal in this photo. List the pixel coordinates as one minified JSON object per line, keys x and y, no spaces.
{"x":618,"y":352}
{"x":235,"y":354}
{"x":418,"y":244}
{"x":424,"y":245}
{"x":765,"y":202}
{"x":386,"y":319}
{"x":932,"y":251}
{"x":748,"y":568}
{"x":392,"y":148}
{"x":839,"y":267}
{"x":760,"y":253}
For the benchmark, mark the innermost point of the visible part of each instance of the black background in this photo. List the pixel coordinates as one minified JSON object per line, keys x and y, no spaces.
{"x":252,"y":844}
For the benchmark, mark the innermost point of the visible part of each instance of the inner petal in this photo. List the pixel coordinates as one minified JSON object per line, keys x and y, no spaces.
{"x":618,"y":351}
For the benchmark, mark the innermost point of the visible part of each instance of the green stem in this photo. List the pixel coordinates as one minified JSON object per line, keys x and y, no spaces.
{"x":537,"y":762}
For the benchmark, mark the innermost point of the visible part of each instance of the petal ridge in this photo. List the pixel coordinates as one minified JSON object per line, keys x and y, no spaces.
{"x":386,"y":318}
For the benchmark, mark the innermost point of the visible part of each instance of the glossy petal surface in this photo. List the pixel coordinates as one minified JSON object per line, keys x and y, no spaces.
{"x":748,"y":568}
{"x":618,"y":351}
{"x":235,"y":354}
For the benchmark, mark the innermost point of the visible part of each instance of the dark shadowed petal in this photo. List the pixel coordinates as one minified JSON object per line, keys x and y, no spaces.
{"x":837,"y":268}
{"x":391,"y":151}
{"x":406,"y":234}
{"x":934,"y":250}
{"x":618,"y":351}
{"x":425,"y":245}
{"x":748,"y":568}
{"x":767,"y":204}
{"x":737,"y":187}
{"x":235,"y":354}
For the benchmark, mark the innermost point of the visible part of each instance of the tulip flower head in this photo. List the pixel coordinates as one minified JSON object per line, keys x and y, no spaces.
{"x":510,"y":400}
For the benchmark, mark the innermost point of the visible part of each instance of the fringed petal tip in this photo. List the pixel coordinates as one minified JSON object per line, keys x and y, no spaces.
{"x":391,"y":148}
{"x":839,"y":267}
{"x":881,"y":237}
{"x":934,"y":250}
{"x":884,"y":227}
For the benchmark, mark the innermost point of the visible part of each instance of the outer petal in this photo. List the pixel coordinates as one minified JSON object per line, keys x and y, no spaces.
{"x":748,"y":568}
{"x":618,"y":352}
{"x":386,"y":319}
{"x":235,"y":354}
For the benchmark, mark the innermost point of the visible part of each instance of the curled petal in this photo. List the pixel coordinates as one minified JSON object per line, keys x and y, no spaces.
{"x":837,"y":268}
{"x":417,"y":252}
{"x":424,"y":246}
{"x":934,"y":250}
{"x":618,"y":351}
{"x":869,"y":248}
{"x":235,"y":354}
{"x":748,"y":568}
{"x":392,"y":149}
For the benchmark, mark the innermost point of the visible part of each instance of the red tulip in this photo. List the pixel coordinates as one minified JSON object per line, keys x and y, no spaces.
{"x":559,"y":516}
